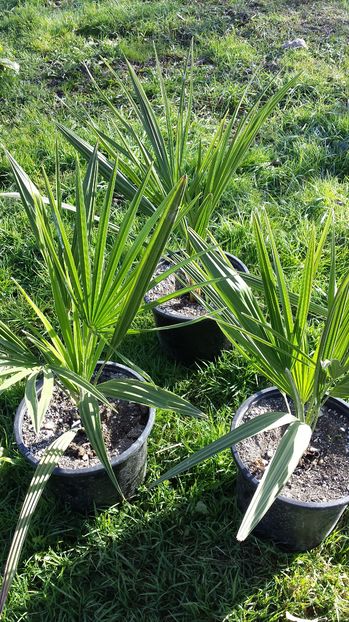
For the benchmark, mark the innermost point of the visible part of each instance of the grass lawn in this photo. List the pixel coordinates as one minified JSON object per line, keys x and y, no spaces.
{"x":171,"y":554}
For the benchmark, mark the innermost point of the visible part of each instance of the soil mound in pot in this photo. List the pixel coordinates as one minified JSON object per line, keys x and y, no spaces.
{"x":121,"y":427}
{"x":182,"y":305}
{"x":322,"y":474}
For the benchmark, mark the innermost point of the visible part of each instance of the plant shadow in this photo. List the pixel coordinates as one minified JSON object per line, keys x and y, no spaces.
{"x":168,"y":557}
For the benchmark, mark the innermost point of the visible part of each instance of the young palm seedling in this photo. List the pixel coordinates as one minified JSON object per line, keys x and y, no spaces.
{"x":165,"y":139}
{"x":169,"y":145}
{"x":97,"y":287}
{"x":279,"y":340}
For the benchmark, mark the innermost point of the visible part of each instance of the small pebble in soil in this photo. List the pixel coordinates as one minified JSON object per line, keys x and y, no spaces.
{"x":49,"y":425}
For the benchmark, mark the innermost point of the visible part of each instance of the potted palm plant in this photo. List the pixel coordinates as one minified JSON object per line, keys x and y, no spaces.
{"x":306,"y":457}
{"x":209,"y":169}
{"x":71,"y":396}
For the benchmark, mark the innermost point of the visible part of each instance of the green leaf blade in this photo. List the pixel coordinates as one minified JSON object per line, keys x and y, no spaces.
{"x":147,"y":266}
{"x":264,"y":422}
{"x":43,"y":471}
{"x":288,"y":453}
{"x":148,"y":395}
{"x":89,"y":412}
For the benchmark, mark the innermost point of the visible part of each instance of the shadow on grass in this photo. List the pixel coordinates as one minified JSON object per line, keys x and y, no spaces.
{"x":169,"y":555}
{"x":166,"y":557}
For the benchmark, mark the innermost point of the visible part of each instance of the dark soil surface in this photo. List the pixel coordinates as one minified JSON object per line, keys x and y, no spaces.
{"x":121,"y":426}
{"x":322,"y":474}
{"x":177,"y":306}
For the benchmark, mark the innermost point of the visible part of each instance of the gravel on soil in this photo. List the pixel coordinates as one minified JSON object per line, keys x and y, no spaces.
{"x":121,"y":425}
{"x":322,"y":474}
{"x":182,"y":305}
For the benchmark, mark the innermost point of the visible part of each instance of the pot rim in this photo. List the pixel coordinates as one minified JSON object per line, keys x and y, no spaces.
{"x":97,"y":468}
{"x":179,"y":318}
{"x":341,"y":406}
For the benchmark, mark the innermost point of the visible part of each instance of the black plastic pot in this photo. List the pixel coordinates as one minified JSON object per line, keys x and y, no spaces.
{"x":292,"y":525}
{"x":201,"y":341}
{"x":84,"y":488}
